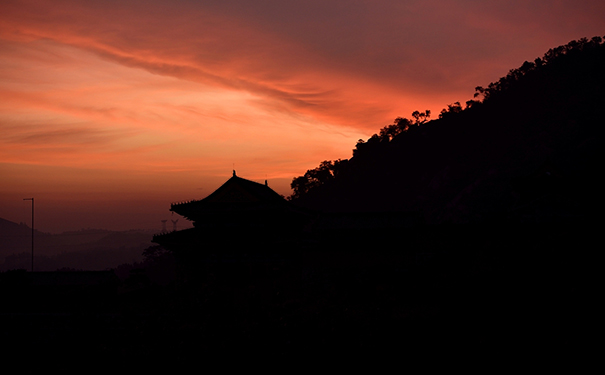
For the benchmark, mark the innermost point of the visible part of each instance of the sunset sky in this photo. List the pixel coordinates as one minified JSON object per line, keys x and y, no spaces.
{"x":110,"y":110}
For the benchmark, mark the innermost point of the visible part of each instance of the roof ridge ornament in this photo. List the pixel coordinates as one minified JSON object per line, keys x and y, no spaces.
{"x":234,"y":173}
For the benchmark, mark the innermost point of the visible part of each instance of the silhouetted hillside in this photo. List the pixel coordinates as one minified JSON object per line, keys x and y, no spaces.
{"x":527,"y":149}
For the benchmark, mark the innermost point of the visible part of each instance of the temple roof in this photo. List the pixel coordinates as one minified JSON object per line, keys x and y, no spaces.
{"x":235,"y":193}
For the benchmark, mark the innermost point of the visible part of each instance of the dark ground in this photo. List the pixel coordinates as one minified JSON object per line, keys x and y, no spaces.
{"x":499,"y":294}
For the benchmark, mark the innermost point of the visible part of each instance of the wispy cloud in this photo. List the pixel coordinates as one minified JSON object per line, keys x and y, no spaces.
{"x":187,"y":88}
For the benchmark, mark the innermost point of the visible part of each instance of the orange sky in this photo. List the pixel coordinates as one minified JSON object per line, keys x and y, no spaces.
{"x":110,"y":110}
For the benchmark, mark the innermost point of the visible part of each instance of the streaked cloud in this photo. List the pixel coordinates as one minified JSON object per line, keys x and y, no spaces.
{"x":192,"y":87}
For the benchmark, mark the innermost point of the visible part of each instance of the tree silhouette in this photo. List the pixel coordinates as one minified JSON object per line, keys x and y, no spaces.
{"x":421,"y":117}
{"x":313,"y":178}
{"x":451,"y":108}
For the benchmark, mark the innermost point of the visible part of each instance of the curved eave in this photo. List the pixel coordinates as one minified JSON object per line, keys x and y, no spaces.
{"x":175,"y":238}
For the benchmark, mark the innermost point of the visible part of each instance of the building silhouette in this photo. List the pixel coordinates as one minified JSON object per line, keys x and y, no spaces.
{"x":241,"y":216}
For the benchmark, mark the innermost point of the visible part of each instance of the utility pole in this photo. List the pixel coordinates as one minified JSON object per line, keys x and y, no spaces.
{"x":32,"y":199}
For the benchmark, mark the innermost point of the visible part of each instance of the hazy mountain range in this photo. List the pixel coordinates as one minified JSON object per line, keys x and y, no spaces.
{"x":88,"y":249}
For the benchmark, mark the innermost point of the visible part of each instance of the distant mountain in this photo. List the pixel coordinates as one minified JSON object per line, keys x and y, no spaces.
{"x":16,"y":237}
{"x":88,"y":249}
{"x":529,"y":148}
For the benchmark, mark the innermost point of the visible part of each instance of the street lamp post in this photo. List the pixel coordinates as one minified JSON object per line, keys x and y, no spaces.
{"x":32,"y":199}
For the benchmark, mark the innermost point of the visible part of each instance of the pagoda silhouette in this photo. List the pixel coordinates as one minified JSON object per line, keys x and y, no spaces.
{"x":240,"y":217}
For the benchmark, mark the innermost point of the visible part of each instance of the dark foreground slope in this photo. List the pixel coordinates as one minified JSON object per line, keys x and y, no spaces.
{"x":475,"y":298}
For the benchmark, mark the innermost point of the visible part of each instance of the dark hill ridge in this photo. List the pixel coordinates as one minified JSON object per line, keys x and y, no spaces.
{"x":529,"y":149}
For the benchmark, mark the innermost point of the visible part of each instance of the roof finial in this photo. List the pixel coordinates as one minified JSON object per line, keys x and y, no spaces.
{"x":266,"y":184}
{"x":234,"y":173}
